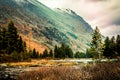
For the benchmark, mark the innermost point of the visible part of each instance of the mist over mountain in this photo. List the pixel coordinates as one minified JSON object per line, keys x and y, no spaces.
{"x":48,"y":27}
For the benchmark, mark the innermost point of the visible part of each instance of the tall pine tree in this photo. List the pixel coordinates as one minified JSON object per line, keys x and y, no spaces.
{"x":106,"y":51}
{"x":112,"y":47}
{"x":45,"y":53}
{"x":12,"y":37}
{"x":0,"y":39}
{"x":56,"y":52}
{"x":51,"y":53}
{"x":4,"y":39}
{"x":118,"y":45}
{"x":96,"y":44}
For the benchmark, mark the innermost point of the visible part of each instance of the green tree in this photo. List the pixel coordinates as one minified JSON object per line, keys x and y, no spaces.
{"x":4,"y":40}
{"x":96,"y":44}
{"x":82,"y":55}
{"x":77,"y":55}
{"x":118,"y":45}
{"x":20,"y":46}
{"x":69,"y":52}
{"x":1,"y":40}
{"x":45,"y":53}
{"x":56,"y":51}
{"x":11,"y":44}
{"x":89,"y":54}
{"x":112,"y":47}
{"x":34,"y":54}
{"x":12,"y":37}
{"x":63,"y":52}
{"x":51,"y":53}
{"x":24,"y":47}
{"x":107,"y":51}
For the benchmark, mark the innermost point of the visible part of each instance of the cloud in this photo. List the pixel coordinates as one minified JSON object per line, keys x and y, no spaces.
{"x":96,"y":0}
{"x":112,"y":30}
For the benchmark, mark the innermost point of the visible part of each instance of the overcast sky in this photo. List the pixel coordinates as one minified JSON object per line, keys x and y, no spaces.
{"x":102,"y":13}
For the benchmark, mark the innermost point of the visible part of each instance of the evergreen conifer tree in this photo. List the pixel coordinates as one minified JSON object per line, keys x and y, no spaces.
{"x":0,"y":39}
{"x":96,"y":44}
{"x":56,"y":51}
{"x":51,"y":53}
{"x":4,"y":38}
{"x":69,"y":52}
{"x":107,"y":51}
{"x":112,"y":47}
{"x":12,"y":36}
{"x":34,"y":54}
{"x":45,"y":53}
{"x":118,"y":45}
{"x":20,"y":45}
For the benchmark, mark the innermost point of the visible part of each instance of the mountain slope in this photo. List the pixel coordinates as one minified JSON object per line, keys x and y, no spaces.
{"x":49,"y":27}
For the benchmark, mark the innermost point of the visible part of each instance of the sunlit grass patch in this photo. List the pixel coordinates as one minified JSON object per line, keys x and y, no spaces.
{"x":100,"y":71}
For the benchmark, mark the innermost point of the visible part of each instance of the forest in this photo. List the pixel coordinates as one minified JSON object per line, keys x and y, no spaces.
{"x":13,"y":48}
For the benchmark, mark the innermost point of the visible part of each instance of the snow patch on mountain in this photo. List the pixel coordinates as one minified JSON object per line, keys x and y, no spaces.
{"x":21,"y":1}
{"x":68,"y":11}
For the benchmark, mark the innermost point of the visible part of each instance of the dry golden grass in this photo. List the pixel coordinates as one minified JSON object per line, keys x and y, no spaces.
{"x":41,"y":62}
{"x":100,"y":71}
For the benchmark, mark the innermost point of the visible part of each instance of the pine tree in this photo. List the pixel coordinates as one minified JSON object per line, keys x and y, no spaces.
{"x":118,"y":45}
{"x":56,"y":51}
{"x":51,"y":53}
{"x":96,"y":44}
{"x":107,"y":51}
{"x":45,"y":53}
{"x":20,"y":46}
{"x":62,"y":50}
{"x":24,"y":46}
{"x":0,"y":39}
{"x":69,"y":52}
{"x":12,"y":36}
{"x":4,"y":40}
{"x":11,"y":43}
{"x":34,"y":54}
{"x":112,"y":47}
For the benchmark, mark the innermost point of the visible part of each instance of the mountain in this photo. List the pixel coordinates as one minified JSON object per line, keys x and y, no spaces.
{"x":46,"y":26}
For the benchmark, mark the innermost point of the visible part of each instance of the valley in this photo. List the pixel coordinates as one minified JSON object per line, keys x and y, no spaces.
{"x":41,"y":43}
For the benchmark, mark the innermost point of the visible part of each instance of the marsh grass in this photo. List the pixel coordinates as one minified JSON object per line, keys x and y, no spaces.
{"x":100,"y":71}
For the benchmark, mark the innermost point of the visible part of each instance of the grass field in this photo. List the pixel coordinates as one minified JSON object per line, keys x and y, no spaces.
{"x":99,"y":71}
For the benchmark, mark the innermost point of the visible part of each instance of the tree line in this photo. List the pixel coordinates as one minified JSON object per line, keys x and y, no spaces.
{"x":112,"y":47}
{"x":64,"y":51}
{"x":13,"y":48}
{"x":109,"y":48}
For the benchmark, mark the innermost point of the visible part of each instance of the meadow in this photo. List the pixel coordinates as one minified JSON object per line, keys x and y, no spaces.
{"x":98,"y":71}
